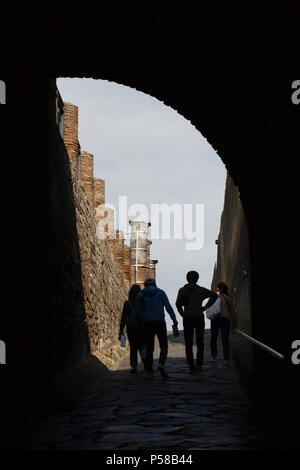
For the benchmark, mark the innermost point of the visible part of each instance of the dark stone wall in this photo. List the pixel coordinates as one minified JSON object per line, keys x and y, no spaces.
{"x":233,"y":268}
{"x":67,"y":333}
{"x":87,"y":290}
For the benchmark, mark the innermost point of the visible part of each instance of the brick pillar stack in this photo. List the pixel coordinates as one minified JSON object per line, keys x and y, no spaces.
{"x":138,"y":275}
{"x":82,"y":165}
{"x":87,"y":175}
{"x":152,"y":268}
{"x":110,"y":222}
{"x":106,"y":221}
{"x":116,"y":245}
{"x":127,"y":266}
{"x":99,"y":192}
{"x":140,"y":251}
{"x":71,"y":133}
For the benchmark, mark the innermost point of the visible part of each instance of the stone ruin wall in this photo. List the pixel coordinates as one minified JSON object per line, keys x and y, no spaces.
{"x":103,"y":283}
{"x":233,"y":268}
{"x":105,"y":262}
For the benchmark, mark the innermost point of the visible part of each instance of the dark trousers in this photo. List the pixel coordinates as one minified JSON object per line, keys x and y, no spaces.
{"x":193,"y":324}
{"x":216,"y":324}
{"x":158,"y":328}
{"x":137,"y":343}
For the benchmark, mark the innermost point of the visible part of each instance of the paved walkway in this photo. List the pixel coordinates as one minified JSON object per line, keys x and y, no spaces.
{"x":209,"y":411}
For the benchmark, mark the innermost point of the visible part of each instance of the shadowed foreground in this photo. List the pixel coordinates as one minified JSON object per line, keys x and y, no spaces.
{"x":209,"y":411}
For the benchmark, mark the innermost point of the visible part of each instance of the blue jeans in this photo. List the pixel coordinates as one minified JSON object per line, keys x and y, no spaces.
{"x":216,"y":324}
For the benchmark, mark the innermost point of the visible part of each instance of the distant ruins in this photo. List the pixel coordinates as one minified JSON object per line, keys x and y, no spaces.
{"x":134,"y":260}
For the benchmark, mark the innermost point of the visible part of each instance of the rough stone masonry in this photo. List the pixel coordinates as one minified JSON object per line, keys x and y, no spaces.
{"x":104,"y":263}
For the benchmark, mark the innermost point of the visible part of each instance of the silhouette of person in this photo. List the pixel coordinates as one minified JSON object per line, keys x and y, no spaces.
{"x":225,"y":321}
{"x":134,"y":329}
{"x":191,"y":297}
{"x":150,"y":304}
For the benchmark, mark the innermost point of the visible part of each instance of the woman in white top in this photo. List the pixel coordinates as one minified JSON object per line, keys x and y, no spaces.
{"x":224,"y":321}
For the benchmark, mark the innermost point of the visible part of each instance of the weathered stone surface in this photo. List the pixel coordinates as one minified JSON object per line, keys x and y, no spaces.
{"x":103,"y":283}
{"x":233,"y":268}
{"x":138,"y":412}
{"x":86,"y":289}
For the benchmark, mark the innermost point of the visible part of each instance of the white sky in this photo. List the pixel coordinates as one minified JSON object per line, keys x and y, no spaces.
{"x":150,"y":153}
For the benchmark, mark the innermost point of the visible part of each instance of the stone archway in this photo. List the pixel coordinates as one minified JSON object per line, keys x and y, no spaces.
{"x":229,"y":72}
{"x":222,"y":74}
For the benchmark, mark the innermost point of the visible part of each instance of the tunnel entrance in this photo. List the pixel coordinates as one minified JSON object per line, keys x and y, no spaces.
{"x":155,"y":168}
{"x":246,"y":272}
{"x":230,"y":74}
{"x":147,"y":169}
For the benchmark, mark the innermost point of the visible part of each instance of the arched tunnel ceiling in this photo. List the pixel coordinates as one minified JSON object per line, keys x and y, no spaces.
{"x":218,"y":67}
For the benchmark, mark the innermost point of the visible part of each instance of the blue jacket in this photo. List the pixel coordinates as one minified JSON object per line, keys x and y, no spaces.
{"x":150,"y":303}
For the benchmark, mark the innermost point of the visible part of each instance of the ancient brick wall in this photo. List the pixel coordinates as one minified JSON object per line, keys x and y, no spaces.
{"x":103,"y":283}
{"x":86,"y":175}
{"x":71,"y":132}
{"x":116,"y":245}
{"x":127,"y":266}
{"x":99,"y":192}
{"x":86,"y":289}
{"x":104,"y":257}
{"x":66,"y":338}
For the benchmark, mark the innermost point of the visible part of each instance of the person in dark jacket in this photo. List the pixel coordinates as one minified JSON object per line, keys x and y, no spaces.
{"x":150,"y":304}
{"x":191,"y":297}
{"x":134,"y":329}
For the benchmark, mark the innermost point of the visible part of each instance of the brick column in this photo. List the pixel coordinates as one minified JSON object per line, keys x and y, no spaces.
{"x":116,"y":245}
{"x":140,"y":251}
{"x":99,"y":192}
{"x":87,"y":175}
{"x":127,"y":266}
{"x":152,"y":269}
{"x":106,"y":222}
{"x":71,"y":133}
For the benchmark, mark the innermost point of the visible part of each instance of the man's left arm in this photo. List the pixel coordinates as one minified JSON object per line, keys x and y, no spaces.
{"x":212,"y":298}
{"x":179,"y":303}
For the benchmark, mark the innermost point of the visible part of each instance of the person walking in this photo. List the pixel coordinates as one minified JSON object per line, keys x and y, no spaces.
{"x":191,"y":297}
{"x":225,"y":321}
{"x":150,"y":304}
{"x":134,"y":329}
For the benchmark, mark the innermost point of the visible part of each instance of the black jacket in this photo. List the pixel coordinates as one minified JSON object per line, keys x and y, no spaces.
{"x":130,"y":318}
{"x":191,"y":297}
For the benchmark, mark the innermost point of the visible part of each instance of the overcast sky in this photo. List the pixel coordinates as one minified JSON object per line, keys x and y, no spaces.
{"x":150,"y":153}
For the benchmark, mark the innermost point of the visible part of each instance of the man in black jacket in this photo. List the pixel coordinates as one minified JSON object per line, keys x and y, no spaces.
{"x":191,"y":297}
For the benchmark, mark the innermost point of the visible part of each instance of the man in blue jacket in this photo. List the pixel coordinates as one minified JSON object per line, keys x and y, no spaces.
{"x":150,"y":303}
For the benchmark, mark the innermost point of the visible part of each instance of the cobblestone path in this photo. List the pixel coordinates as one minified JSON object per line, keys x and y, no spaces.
{"x":209,"y":411}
